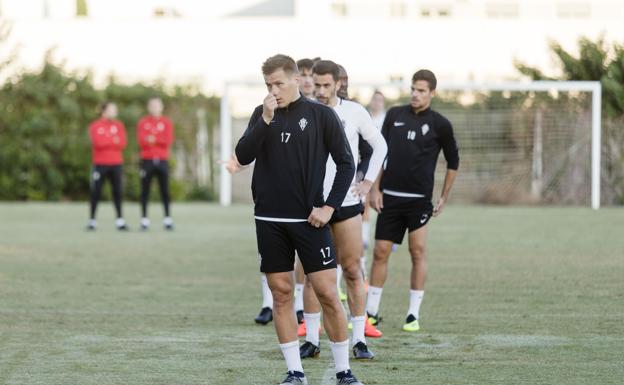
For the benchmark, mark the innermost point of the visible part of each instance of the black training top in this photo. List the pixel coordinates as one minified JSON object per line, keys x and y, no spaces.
{"x":414,"y":143}
{"x":290,"y":156}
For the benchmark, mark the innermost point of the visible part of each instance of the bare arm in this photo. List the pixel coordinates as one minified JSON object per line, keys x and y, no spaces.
{"x":449,"y":179}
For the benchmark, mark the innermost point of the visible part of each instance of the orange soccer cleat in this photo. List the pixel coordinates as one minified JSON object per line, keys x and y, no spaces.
{"x":371,"y":331}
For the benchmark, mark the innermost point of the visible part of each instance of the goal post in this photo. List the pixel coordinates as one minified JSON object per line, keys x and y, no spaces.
{"x":239,"y":98}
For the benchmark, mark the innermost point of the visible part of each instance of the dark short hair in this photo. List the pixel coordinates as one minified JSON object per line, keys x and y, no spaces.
{"x":378,"y":92}
{"x":305,"y":64}
{"x":324,"y":67}
{"x":105,"y":105}
{"x":278,"y":62}
{"x":342,"y":70}
{"x":427,"y":76}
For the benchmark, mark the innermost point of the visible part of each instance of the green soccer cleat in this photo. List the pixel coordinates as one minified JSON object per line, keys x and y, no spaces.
{"x":374,"y":319}
{"x":342,"y":295}
{"x":411,"y":324}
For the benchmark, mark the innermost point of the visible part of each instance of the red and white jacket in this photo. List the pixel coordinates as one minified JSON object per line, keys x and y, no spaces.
{"x":155,"y":136}
{"x":108,"y":139}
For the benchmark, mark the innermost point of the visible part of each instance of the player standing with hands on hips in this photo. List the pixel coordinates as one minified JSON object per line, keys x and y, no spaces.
{"x":402,"y":194}
{"x":290,"y":137}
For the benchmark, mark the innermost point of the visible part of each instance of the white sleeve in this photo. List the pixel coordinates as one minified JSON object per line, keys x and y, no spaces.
{"x":373,"y":136}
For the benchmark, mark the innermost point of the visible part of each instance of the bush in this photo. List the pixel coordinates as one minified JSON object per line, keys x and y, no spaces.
{"x":44,"y":146}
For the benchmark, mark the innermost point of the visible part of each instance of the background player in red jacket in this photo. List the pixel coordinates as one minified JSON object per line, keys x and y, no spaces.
{"x":155,"y":136}
{"x":108,"y":139}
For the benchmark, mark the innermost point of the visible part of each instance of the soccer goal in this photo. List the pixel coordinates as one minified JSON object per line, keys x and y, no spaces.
{"x":520,"y":142}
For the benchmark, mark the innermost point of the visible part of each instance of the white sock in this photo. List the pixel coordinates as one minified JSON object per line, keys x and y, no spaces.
{"x":365,"y":233}
{"x":338,"y":276}
{"x":373,"y":300}
{"x":340,"y":351}
{"x":358,"y":329}
{"x":416,"y":297}
{"x":313,"y":323}
{"x":290,"y":351}
{"x":363,"y":266}
{"x":267,"y":297}
{"x":298,"y":296}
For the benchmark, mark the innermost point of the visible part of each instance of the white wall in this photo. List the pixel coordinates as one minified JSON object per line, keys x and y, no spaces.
{"x":213,"y":50}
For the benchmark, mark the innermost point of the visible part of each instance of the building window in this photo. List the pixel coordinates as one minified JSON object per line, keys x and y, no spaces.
{"x":502,"y":9}
{"x":398,"y":9}
{"x":82,"y":9}
{"x":339,"y":8}
{"x":573,"y":10}
{"x":444,"y":12}
{"x":166,"y":12}
{"x":436,"y":10}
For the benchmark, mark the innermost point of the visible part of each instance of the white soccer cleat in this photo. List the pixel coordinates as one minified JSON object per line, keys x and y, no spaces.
{"x":91,"y":225}
{"x":145,"y":223}
{"x":168,"y":223}
{"x":121,"y":225}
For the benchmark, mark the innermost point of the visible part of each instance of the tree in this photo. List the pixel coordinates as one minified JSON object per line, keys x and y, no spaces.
{"x":44,"y":147}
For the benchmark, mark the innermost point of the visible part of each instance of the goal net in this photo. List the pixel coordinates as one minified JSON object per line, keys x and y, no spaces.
{"x":519,"y":143}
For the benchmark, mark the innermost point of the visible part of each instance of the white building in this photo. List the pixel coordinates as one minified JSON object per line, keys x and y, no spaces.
{"x":211,"y":41}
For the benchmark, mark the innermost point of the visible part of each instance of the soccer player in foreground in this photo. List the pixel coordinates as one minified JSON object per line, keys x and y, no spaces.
{"x":306,"y":88}
{"x":108,"y":139}
{"x":402,"y":194}
{"x":289,"y":136}
{"x":346,"y":222}
{"x":155,"y":136}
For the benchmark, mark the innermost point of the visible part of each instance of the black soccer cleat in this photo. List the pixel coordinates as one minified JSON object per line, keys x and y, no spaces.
{"x":374,"y":319}
{"x":294,"y":378}
{"x":309,"y":350}
{"x":265,"y":316}
{"x":346,"y":378}
{"x":361,"y":352}
{"x":300,"y":317}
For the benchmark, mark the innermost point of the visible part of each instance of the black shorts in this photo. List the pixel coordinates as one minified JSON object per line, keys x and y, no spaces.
{"x":278,"y":241}
{"x":400,"y":214}
{"x":346,"y":212}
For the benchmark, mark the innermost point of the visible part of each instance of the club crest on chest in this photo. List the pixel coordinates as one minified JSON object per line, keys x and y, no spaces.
{"x":303,"y":123}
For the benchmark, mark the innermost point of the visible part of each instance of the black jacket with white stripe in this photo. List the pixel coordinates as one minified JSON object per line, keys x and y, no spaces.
{"x":414,"y":143}
{"x":290,"y":154}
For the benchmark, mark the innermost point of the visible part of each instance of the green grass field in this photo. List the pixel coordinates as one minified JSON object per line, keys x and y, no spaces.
{"x":514,"y":296}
